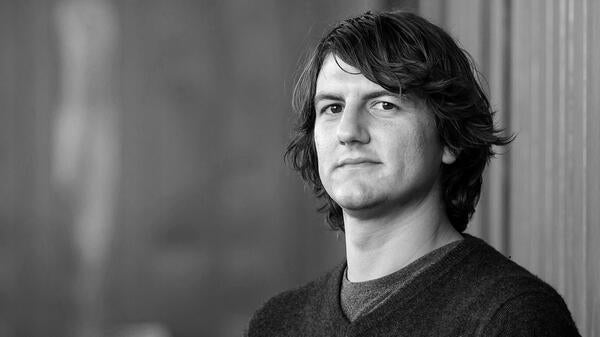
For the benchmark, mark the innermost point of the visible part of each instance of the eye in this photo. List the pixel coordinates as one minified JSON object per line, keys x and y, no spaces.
{"x":332,"y":109}
{"x":386,"y":106}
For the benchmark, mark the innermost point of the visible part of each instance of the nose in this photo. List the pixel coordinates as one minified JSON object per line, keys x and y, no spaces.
{"x":352,"y":127}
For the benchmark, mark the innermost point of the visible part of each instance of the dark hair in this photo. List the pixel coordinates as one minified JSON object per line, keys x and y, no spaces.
{"x":403,"y":52}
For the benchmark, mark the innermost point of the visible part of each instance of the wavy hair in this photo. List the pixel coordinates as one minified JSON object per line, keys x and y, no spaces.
{"x":403,"y":52}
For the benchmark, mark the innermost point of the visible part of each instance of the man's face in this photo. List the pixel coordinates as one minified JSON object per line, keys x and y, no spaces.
{"x":376,"y":150}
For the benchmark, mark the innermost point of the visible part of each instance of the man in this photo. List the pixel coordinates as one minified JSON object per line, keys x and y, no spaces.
{"x":394,"y":134}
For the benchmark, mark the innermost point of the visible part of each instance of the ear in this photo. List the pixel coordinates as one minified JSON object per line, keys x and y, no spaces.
{"x":448,"y":157}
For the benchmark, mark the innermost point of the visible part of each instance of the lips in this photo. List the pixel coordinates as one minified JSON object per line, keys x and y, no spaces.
{"x":356,"y":162}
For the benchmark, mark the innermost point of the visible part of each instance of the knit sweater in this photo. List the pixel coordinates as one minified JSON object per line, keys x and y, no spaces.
{"x":473,"y":291}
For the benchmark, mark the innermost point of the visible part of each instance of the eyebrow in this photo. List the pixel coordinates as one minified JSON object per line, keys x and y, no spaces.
{"x":370,"y":95}
{"x":325,"y":96}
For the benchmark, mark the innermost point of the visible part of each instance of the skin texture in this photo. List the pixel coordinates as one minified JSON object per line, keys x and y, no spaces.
{"x":380,"y":159}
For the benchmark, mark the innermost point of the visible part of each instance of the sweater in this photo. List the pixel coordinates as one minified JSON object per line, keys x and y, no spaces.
{"x":472,"y":291}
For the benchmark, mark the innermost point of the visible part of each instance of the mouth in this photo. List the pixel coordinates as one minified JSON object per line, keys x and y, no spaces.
{"x":357,"y":162}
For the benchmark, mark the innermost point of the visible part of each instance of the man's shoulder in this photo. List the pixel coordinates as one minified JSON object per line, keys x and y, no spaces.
{"x":289,"y":308}
{"x":501,"y":290}
{"x":292,"y":299}
{"x":485,"y":262}
{"x":535,"y":312}
{"x":488,"y":269}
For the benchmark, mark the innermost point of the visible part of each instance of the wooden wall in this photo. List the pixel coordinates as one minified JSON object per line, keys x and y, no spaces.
{"x":541,"y":200}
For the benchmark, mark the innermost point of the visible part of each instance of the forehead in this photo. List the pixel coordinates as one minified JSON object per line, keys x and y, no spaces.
{"x":336,"y":74}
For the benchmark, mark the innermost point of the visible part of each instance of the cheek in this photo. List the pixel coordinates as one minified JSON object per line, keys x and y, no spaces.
{"x":320,"y":150}
{"x":427,"y":154}
{"x":415,"y":150}
{"x":317,"y":141}
{"x":321,"y":141}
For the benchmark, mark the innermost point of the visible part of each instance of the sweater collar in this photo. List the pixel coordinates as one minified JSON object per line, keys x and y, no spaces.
{"x":336,"y":318}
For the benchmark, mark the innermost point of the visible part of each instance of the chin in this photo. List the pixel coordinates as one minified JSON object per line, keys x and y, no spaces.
{"x":357,"y":202}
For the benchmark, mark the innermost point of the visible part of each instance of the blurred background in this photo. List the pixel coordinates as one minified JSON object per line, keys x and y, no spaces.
{"x":142,"y":187}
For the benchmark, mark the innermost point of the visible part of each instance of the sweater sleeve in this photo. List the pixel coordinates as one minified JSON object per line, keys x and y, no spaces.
{"x":532,"y":314}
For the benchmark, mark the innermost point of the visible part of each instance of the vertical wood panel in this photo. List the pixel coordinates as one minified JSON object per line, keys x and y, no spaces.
{"x":497,"y":51}
{"x":521,"y":231}
{"x":592,"y":167}
{"x":535,"y":116}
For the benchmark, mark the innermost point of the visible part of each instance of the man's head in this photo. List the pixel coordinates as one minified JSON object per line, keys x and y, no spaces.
{"x":430,"y":115}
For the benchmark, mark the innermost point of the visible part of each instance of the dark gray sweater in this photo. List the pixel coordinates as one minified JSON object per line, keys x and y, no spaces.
{"x":473,"y":291}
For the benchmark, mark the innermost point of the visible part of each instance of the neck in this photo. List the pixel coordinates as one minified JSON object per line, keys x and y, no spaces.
{"x":379,"y":246}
